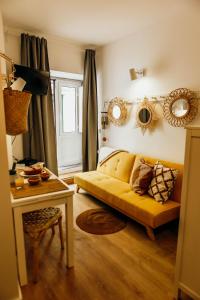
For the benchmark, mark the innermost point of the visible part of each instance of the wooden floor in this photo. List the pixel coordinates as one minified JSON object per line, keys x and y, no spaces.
{"x":121,"y":266}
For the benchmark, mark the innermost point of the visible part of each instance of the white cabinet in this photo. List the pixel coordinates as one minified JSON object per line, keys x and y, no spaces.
{"x":187,"y":277}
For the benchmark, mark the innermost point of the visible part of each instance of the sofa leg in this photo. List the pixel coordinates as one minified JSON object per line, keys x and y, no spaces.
{"x":77,"y":188}
{"x":150,"y":233}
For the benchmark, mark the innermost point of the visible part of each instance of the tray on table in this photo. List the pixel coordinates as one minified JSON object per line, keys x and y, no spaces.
{"x":50,"y":186}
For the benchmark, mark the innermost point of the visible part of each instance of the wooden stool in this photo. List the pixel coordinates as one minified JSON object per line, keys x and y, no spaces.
{"x":36,"y":223}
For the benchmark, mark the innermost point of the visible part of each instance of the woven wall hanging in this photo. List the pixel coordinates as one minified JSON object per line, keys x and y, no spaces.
{"x":16,"y":106}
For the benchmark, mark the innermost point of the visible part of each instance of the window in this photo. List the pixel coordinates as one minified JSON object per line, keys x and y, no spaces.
{"x":80,"y":108}
{"x":68,"y":96}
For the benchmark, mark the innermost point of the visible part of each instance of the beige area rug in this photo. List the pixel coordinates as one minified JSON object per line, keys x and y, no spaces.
{"x":101,"y":221}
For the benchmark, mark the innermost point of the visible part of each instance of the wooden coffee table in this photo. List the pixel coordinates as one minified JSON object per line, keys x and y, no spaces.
{"x":50,"y":193}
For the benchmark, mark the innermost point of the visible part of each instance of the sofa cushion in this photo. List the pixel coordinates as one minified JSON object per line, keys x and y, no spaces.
{"x":176,"y":194}
{"x":118,"y":166}
{"x":141,"y":178}
{"x":100,"y":184}
{"x":163,"y":182}
{"x":119,"y":195}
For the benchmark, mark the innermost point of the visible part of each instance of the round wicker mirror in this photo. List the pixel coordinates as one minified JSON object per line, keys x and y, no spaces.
{"x":117,"y":111}
{"x":145,"y":115}
{"x":180,"y":107}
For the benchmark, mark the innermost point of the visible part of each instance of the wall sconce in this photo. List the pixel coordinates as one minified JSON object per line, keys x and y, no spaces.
{"x":136,"y":73}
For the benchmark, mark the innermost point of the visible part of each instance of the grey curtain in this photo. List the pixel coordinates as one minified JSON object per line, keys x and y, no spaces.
{"x":40,"y":140}
{"x":90,"y":113}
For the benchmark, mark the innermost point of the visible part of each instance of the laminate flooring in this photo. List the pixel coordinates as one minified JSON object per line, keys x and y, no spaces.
{"x":122,"y":266}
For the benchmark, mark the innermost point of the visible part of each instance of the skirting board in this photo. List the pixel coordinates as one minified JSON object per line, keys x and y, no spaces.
{"x":19,"y":297}
{"x":188,"y":291}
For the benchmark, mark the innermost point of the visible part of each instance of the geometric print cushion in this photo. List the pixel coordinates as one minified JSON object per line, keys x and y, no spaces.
{"x":162,"y":183}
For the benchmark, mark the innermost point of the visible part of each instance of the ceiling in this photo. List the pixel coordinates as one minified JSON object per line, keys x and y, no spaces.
{"x":94,"y":22}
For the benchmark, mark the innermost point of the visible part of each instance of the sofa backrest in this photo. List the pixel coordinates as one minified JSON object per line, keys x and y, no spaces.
{"x":118,"y":166}
{"x":176,"y":195}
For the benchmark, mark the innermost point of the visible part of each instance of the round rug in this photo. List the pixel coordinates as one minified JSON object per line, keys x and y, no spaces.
{"x":101,"y":221}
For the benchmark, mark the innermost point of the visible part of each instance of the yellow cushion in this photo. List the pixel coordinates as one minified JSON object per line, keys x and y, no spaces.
{"x":118,"y":166}
{"x":148,"y":211}
{"x":119,"y":195}
{"x":176,"y":195}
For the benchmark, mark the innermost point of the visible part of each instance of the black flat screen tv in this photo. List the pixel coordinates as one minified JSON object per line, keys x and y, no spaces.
{"x":37,"y":81}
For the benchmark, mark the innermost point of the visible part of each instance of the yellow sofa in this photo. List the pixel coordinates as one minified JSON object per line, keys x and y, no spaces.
{"x":110,"y":184}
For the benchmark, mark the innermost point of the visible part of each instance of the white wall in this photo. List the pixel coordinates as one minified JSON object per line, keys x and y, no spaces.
{"x":170,"y":53}
{"x":8,"y":270}
{"x":3,"y":66}
{"x":63,"y":56}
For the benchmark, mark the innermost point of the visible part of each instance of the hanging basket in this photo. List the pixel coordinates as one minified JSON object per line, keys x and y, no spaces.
{"x":16,"y":104}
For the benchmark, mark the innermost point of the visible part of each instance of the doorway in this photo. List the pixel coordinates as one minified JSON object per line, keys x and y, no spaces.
{"x":68,"y":94}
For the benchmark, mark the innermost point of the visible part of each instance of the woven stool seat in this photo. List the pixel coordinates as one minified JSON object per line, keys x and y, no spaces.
{"x":36,"y":223}
{"x":39,"y":220}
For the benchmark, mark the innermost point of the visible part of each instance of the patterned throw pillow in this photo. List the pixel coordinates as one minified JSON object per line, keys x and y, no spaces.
{"x":141,"y":177}
{"x":162,"y":183}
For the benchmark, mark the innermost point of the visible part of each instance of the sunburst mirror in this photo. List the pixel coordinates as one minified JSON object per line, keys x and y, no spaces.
{"x":117,"y":111}
{"x":180,"y":107}
{"x":145,"y":115}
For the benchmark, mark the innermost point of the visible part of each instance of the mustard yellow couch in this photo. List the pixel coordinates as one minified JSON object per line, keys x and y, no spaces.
{"x":110,"y":184}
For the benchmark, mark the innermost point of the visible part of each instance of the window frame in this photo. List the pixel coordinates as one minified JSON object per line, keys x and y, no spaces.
{"x":73,"y":84}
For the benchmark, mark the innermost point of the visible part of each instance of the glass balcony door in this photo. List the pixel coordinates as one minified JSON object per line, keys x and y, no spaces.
{"x":69,"y":123}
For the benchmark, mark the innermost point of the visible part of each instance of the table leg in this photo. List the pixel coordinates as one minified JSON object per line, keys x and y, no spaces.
{"x":69,"y":233}
{"x":178,"y":294}
{"x":21,"y":257}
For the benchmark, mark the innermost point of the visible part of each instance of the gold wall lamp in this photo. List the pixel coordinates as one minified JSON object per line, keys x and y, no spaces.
{"x":136,"y":73}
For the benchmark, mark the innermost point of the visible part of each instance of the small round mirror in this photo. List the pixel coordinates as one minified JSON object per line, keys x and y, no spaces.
{"x":116,"y":112}
{"x":180,"y":108}
{"x":144,"y":115}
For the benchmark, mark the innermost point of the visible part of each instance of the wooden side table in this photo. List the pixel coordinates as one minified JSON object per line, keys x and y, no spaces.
{"x":51,"y":193}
